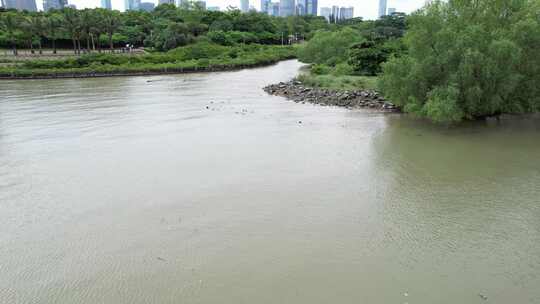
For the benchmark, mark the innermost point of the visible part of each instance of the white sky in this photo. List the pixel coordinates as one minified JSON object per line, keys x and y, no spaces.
{"x":362,"y":8}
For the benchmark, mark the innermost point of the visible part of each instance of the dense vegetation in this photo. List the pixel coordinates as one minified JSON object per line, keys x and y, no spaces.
{"x":175,"y":39}
{"x":165,"y":28}
{"x":468,"y":59}
{"x":350,"y":56}
{"x":203,"y":55}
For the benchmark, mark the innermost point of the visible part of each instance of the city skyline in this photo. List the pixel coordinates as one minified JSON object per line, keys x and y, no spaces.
{"x":366,"y":9}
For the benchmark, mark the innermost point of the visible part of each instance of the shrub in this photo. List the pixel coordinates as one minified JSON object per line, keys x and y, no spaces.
{"x":466,"y":60}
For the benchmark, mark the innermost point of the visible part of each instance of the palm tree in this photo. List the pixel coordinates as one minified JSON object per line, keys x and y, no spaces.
{"x":87,"y":23}
{"x":52,"y":26}
{"x":72,"y":25}
{"x":10,"y":23}
{"x":111,"y":23}
{"x":97,"y":28}
{"x":35,"y":30}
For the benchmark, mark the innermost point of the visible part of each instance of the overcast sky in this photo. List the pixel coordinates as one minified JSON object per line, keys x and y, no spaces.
{"x":362,"y":8}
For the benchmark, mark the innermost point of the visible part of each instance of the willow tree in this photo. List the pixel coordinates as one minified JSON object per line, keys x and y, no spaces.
{"x":468,"y":59}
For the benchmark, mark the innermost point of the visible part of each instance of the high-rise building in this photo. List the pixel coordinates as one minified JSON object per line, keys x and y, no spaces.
{"x":286,"y":8}
{"x":326,"y":12}
{"x":132,"y":5}
{"x":335,"y":12}
{"x":21,"y":5}
{"x":106,"y":4}
{"x":382,"y":8}
{"x":244,"y":6}
{"x":147,"y":6}
{"x":166,"y":2}
{"x":213,"y":8}
{"x":311,"y":7}
{"x":300,"y":9}
{"x":274,"y":9}
{"x":265,"y":6}
{"x":54,"y":4}
{"x":346,"y":13}
{"x":391,"y":10}
{"x":184,"y":3}
{"x":200,"y":4}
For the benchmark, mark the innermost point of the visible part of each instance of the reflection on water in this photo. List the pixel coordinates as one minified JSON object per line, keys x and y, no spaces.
{"x":201,"y":188}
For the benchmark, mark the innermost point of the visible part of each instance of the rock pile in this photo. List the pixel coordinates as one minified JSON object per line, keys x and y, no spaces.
{"x":297,"y":92}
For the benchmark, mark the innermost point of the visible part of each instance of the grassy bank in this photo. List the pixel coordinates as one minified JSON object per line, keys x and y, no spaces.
{"x":339,"y":82}
{"x":201,"y":56}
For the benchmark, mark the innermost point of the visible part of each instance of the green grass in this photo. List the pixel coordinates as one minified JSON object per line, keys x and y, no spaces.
{"x":344,"y":82}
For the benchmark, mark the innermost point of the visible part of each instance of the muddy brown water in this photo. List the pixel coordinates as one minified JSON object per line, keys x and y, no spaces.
{"x":202,"y":188}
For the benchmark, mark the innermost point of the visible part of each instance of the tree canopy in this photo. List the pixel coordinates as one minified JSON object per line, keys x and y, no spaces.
{"x":165,"y":28}
{"x":468,"y":59}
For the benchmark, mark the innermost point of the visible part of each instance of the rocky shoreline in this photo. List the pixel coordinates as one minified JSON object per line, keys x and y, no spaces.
{"x":296,"y":91}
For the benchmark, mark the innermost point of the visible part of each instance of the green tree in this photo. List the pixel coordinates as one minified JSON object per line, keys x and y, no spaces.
{"x":72,"y":25}
{"x":329,"y":47}
{"x":111,"y":23}
{"x":52,"y":26}
{"x":367,"y":56}
{"x":468,"y":59}
{"x":10,"y":23}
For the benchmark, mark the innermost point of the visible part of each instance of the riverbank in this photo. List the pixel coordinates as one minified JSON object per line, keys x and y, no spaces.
{"x":136,"y":72}
{"x":200,"y":57}
{"x":298,"y":91}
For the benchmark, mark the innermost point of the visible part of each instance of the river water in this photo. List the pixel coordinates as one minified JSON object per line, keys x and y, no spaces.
{"x":201,"y":188}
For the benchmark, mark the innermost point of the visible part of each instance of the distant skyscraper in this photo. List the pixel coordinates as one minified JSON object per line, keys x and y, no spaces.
{"x":346,"y":13}
{"x":54,"y":4}
{"x":166,"y":2}
{"x":326,"y":12}
{"x":286,"y":8}
{"x":311,"y":7}
{"x":274,"y":9}
{"x":213,"y":8}
{"x":335,"y":12}
{"x":106,"y":4}
{"x":21,"y":5}
{"x":147,"y":6}
{"x":200,"y":4}
{"x":132,"y":5}
{"x":265,"y":6}
{"x":391,"y":10}
{"x":300,"y":9}
{"x":382,"y":8}
{"x":184,"y":3}
{"x":244,"y":5}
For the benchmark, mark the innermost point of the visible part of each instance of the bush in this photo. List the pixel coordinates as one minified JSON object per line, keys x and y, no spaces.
{"x":366,"y":57}
{"x":329,"y":48}
{"x":466,"y":60}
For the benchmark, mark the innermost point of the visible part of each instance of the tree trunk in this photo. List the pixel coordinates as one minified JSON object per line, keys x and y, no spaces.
{"x":14,"y":47}
{"x":39,"y":45}
{"x":54,"y":46}
{"x":31,"y":47}
{"x":88,"y":43}
{"x":74,"y":45}
{"x":93,"y":44}
{"x":111,"y":43}
{"x":79,"y":46}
